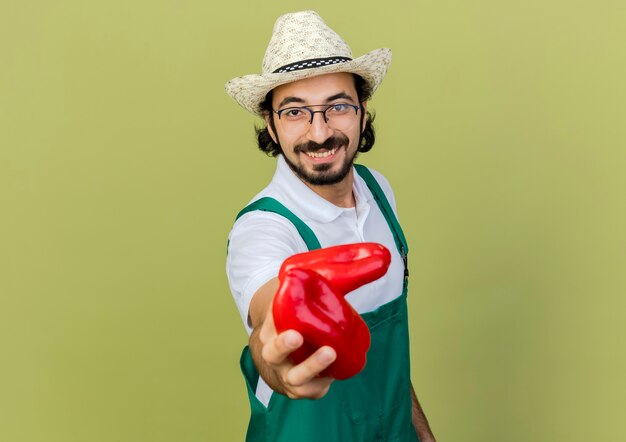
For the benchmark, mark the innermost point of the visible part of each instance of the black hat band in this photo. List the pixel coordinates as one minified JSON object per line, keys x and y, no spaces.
{"x":311,"y":63}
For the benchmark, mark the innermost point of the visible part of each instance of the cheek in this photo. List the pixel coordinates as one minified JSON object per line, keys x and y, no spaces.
{"x":287,"y":143}
{"x":355,"y":136}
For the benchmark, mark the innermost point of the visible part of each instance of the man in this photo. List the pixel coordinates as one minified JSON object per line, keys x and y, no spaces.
{"x":313,"y":98}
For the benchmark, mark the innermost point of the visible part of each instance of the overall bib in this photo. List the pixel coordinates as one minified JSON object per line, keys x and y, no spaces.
{"x":374,"y":405}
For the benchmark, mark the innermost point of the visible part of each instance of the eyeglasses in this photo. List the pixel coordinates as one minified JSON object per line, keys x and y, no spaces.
{"x":338,"y":116}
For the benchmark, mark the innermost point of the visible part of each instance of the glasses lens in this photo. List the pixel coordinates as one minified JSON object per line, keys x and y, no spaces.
{"x":341,"y":116}
{"x":295,"y":114}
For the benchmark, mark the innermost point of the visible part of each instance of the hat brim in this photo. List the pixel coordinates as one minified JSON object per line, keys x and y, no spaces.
{"x":250,"y":90}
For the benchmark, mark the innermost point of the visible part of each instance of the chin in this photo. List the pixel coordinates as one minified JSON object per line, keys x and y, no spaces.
{"x":325,"y":175}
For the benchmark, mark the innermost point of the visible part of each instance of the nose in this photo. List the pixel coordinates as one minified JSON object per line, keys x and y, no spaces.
{"x":319,"y":131}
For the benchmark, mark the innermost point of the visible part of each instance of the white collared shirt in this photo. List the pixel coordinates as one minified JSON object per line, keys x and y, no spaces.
{"x":260,"y":241}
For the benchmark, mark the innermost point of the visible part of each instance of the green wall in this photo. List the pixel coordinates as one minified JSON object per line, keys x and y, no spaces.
{"x":123,"y":163}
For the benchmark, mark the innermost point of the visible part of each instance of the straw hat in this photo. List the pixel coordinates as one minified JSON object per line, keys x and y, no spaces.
{"x":302,"y":46}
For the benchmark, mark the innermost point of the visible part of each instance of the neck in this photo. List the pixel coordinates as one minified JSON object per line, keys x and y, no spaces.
{"x":340,"y":194}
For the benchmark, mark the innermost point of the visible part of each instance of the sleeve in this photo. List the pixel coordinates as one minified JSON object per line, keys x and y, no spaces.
{"x":257,"y":246}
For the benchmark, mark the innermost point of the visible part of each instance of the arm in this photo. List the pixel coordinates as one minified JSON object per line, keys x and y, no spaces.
{"x":270,"y":352}
{"x":419,"y":420}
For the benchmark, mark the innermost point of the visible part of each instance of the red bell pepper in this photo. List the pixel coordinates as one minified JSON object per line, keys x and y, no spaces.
{"x":347,"y":267}
{"x":311,"y":300}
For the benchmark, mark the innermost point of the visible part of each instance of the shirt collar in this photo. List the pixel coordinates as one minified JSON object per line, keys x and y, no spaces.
{"x":305,"y":201}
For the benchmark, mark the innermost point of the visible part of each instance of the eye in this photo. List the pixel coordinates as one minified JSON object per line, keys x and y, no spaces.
{"x":293,"y":112}
{"x":339,"y":108}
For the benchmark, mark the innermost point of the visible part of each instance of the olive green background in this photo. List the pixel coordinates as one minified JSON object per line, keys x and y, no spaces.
{"x":501,"y":126}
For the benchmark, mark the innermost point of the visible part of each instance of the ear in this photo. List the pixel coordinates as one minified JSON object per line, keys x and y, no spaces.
{"x":268,"y":124}
{"x":364,"y":110}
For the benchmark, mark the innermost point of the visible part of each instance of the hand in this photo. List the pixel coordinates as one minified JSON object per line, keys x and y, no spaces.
{"x":295,"y":381}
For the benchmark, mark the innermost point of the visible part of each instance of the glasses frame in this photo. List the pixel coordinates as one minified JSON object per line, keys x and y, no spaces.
{"x":323,"y":112}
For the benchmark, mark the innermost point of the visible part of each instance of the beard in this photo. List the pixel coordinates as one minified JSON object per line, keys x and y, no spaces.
{"x":321,"y":175}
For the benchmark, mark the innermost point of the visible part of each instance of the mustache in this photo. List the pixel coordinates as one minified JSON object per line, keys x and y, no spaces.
{"x":330,"y":144}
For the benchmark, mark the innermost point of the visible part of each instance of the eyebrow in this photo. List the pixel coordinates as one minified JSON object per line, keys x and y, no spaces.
{"x":338,"y":96}
{"x":288,"y":100}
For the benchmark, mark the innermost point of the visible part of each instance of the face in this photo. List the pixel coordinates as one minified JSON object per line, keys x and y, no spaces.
{"x":320,"y":153}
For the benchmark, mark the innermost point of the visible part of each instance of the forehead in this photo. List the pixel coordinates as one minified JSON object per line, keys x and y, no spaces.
{"x":316,"y":89}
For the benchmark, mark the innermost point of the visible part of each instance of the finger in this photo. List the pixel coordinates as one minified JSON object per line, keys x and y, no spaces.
{"x":315,"y":389}
{"x":278,"y":348}
{"x":310,"y":368}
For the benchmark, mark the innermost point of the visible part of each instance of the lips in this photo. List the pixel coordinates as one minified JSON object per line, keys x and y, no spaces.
{"x":324,"y":154}
{"x":321,"y":150}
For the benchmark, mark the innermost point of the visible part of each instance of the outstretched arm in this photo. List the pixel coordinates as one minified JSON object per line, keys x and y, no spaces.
{"x":419,"y":420}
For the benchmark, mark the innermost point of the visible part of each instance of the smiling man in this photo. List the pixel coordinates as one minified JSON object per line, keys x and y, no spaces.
{"x":319,"y":149}
{"x":313,"y":97}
